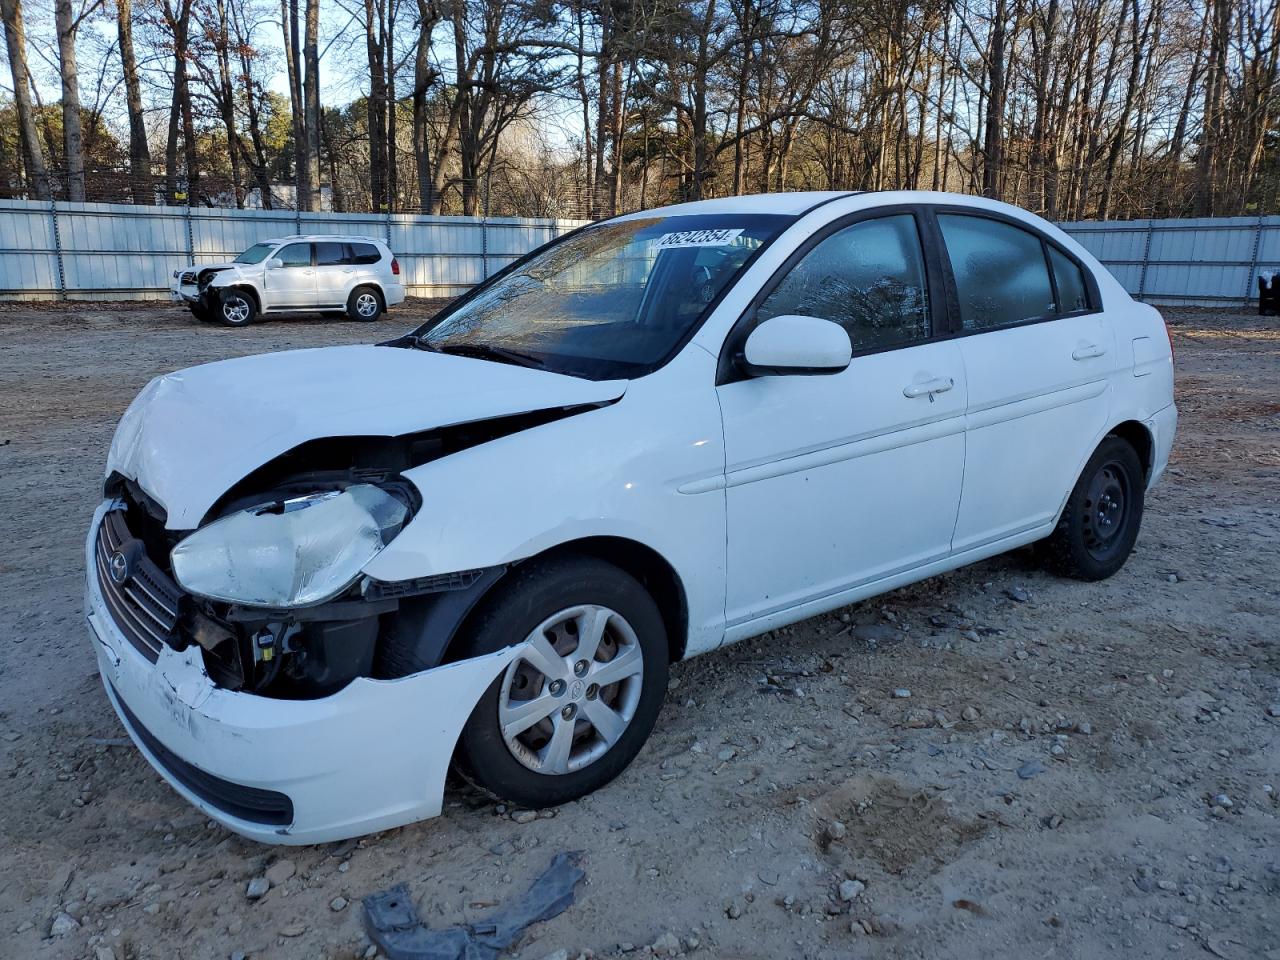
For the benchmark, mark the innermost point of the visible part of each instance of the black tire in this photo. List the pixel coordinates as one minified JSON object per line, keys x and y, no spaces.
{"x":1100,"y":522}
{"x":236,"y":308}
{"x":201,"y":313}
{"x":358,"y":304}
{"x":527,"y":597}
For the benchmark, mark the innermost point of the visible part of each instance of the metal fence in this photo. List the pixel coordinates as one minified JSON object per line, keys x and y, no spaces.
{"x":1204,"y":262}
{"x":103,"y":251}
{"x":108,"y":251}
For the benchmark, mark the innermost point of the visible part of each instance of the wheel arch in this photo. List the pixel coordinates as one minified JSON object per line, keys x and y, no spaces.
{"x":649,"y":567}
{"x":1137,"y":435}
{"x":248,"y":288}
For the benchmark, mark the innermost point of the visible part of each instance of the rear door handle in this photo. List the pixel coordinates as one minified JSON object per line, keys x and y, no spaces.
{"x":1087,"y":351}
{"x":927,"y":388}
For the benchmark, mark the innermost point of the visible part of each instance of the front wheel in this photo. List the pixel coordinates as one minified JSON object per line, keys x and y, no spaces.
{"x":364,"y":304}
{"x":577,"y":704}
{"x":236,"y":308}
{"x":1100,"y":522}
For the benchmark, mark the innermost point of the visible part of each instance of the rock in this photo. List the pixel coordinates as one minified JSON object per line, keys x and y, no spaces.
{"x":836,"y":830}
{"x":973,"y":637}
{"x":24,"y":926}
{"x":969,"y":713}
{"x":257,"y":887}
{"x":293,"y":930}
{"x":63,"y":924}
{"x":1168,"y":886}
{"x":1180,"y":920}
{"x":667,"y":945}
{"x":728,"y":753}
{"x":1030,"y":769}
{"x":560,"y":954}
{"x":1222,"y":800}
{"x":151,"y":909}
{"x":733,"y":911}
{"x":902,"y":693}
{"x":103,"y":953}
{"x":1017,"y":594}
{"x":1274,"y":709}
{"x":919,"y":719}
{"x":525,"y":816}
{"x":851,"y":889}
{"x":1085,"y":729}
{"x":280,"y":871}
{"x":692,"y":942}
{"x":338,"y":903}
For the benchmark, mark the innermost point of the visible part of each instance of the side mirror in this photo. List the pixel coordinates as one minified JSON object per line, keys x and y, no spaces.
{"x":792,"y":344}
{"x":275,"y":263}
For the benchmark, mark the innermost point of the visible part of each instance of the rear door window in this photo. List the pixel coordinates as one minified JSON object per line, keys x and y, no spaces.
{"x":1073,"y":294}
{"x":330,"y":253}
{"x":1000,"y":271}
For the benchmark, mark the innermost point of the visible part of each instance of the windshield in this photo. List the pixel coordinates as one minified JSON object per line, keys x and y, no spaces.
{"x":255,"y":254}
{"x":613,"y":300}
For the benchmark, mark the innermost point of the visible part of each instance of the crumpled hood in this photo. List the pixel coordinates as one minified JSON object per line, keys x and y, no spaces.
{"x":188,"y":436}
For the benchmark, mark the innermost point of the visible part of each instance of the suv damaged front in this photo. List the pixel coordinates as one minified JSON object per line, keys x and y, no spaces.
{"x":271,"y":680}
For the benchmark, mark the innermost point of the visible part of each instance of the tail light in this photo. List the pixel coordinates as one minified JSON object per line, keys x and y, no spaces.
{"x":395,"y":267}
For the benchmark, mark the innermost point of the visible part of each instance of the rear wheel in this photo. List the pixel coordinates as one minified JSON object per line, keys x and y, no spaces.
{"x":365,"y":303}
{"x":1100,"y":522}
{"x":577,"y":704}
{"x":236,"y":308}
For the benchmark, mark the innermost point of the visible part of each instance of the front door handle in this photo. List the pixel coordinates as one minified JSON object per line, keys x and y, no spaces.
{"x":1087,"y":351}
{"x":927,"y":388}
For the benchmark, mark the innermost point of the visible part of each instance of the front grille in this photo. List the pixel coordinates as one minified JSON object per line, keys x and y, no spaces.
{"x":234,"y":799}
{"x":143,"y":600}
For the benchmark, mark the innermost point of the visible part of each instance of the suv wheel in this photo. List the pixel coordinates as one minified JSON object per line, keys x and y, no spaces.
{"x":1100,"y":522}
{"x":573,"y":710}
{"x":236,"y":308}
{"x":365,"y":303}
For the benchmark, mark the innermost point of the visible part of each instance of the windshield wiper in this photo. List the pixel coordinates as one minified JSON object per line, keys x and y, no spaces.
{"x":482,"y":351}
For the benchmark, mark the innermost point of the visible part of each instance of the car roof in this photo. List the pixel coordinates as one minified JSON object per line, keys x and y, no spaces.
{"x":325,"y":236}
{"x":787,"y":204}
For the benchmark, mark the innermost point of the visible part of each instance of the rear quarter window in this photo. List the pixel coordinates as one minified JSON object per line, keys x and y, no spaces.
{"x":1000,"y":272}
{"x":365,"y":253}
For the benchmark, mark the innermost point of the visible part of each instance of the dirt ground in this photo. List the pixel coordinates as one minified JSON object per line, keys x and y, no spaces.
{"x":1078,"y":770}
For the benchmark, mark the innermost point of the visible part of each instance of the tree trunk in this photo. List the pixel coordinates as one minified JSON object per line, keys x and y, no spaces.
{"x":139,"y":153}
{"x":297,"y":107}
{"x":28,"y":136}
{"x":311,"y":104}
{"x":72,"y":134}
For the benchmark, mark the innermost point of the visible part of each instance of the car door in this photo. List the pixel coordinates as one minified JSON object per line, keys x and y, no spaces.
{"x":335,"y":273}
{"x":841,"y":480}
{"x":1039,"y":355}
{"x":292,"y":284}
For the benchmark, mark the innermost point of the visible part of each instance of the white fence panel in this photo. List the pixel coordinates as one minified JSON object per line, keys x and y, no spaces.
{"x":101,"y":251}
{"x":1208,"y":261}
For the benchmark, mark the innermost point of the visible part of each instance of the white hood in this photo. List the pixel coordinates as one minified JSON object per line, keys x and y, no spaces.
{"x":189,"y":436}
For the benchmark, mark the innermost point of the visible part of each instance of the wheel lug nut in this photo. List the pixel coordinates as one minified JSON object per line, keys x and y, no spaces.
{"x":569,"y":711}
{"x":556,"y":688}
{"x":593,"y":691}
{"x":580,"y":668}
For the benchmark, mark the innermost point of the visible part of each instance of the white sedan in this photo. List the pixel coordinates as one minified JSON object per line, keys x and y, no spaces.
{"x":321,"y":578}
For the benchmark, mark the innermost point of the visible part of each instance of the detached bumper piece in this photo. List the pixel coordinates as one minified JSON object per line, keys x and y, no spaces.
{"x":234,"y":799}
{"x":393,"y":923}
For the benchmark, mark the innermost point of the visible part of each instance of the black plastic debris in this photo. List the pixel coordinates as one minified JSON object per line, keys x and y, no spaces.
{"x":1269,"y":295}
{"x":393,"y":924}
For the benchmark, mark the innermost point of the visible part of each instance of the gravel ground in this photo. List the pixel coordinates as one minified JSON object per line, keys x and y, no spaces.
{"x":991,"y":763}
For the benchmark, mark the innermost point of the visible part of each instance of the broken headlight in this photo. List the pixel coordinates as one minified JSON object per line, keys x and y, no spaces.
{"x":290,"y":553}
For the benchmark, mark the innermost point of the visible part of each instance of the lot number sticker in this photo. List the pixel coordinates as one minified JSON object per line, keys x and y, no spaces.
{"x":697,"y":238}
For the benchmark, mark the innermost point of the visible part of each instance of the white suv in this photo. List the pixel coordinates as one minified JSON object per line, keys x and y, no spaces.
{"x":356,"y":275}
{"x":318,"y":578}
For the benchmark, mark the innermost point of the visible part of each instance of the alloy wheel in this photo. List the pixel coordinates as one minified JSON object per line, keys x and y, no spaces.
{"x":367,"y":305}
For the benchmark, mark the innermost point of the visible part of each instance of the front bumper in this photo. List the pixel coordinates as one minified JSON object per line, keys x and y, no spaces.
{"x":370,"y":757}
